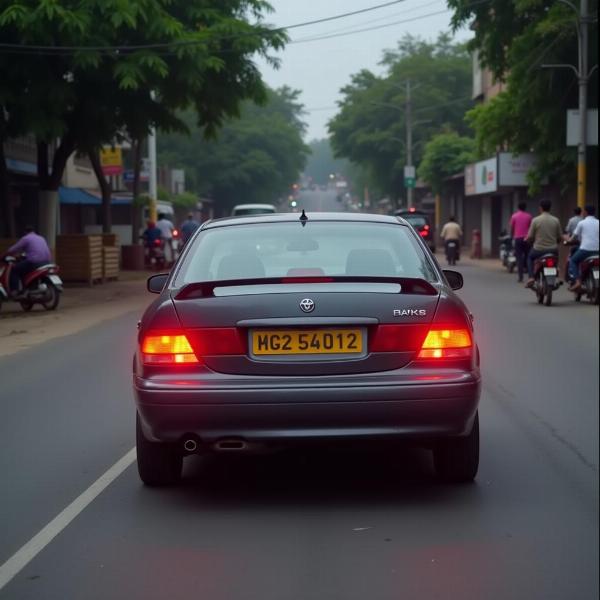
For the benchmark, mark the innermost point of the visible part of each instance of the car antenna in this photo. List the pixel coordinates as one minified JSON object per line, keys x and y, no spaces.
{"x":303,"y":218}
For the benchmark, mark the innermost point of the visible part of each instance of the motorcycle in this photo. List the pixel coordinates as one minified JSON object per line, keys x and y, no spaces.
{"x":155,"y":254}
{"x":40,"y":286}
{"x":590,"y":280}
{"x":507,"y":253}
{"x":546,"y":278}
{"x":452,"y":250}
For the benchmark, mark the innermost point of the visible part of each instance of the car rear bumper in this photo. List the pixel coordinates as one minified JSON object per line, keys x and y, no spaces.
{"x":285,"y":414}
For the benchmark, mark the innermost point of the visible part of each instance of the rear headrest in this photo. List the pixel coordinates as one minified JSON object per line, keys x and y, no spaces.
{"x":240,"y":266}
{"x":366,"y":262}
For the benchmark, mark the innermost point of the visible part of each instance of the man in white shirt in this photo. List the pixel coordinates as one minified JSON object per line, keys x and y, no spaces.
{"x":587,"y":234}
{"x":166,"y":233}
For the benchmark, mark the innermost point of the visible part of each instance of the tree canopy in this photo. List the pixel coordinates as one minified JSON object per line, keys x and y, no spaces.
{"x":86,"y":71}
{"x":445,"y":155}
{"x":255,"y":158}
{"x":370,"y":126}
{"x":513,"y":38}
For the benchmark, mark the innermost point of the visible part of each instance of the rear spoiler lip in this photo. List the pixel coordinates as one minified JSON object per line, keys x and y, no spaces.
{"x":206,"y":289}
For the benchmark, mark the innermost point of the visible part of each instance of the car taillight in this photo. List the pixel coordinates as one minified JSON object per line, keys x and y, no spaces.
{"x":424,"y":232}
{"x":397,"y":338}
{"x":549,"y":262}
{"x":446,"y":343}
{"x":157,"y":242}
{"x":168,"y":350}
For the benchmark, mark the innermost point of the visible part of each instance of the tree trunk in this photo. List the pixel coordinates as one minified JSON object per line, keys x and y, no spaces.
{"x":136,"y":223}
{"x":49,"y":182}
{"x":7,"y":213}
{"x":105,"y":188}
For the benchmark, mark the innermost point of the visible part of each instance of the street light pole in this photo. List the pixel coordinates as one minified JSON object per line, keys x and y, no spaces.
{"x":583,"y":74}
{"x":583,"y":88}
{"x":409,"y":148}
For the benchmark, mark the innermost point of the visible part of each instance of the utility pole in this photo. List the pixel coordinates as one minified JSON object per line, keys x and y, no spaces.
{"x":409,"y":148}
{"x":583,"y":74}
{"x":152,"y":182}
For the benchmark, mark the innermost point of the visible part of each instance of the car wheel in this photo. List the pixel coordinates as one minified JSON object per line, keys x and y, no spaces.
{"x":456,"y":460}
{"x":158,"y":464}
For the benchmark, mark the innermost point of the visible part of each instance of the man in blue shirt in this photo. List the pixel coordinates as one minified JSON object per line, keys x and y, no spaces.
{"x":188,"y":228}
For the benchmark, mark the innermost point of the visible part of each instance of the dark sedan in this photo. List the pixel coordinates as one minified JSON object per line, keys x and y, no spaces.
{"x":329,"y":328}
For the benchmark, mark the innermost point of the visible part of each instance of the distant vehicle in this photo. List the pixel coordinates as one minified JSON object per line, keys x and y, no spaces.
{"x":421,"y":222}
{"x":243,"y":210}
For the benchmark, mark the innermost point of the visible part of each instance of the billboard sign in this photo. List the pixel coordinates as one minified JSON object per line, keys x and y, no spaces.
{"x":482,"y":177}
{"x":111,"y":160}
{"x":573,"y":127}
{"x":513,"y":168}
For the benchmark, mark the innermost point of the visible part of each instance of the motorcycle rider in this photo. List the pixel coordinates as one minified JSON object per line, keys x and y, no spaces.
{"x":188,"y":227}
{"x":587,"y":234}
{"x":545,"y":234}
{"x":166,"y":232}
{"x":519,"y":228}
{"x":37,"y":253}
{"x":451,"y":232}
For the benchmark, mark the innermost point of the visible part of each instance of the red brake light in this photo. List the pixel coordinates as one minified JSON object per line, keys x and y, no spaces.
{"x":157,"y":242}
{"x":446,"y":343}
{"x":168,"y":350}
{"x":175,"y":232}
{"x":426,"y":227}
{"x":550,"y":262}
{"x":424,"y":233}
{"x":412,"y":209}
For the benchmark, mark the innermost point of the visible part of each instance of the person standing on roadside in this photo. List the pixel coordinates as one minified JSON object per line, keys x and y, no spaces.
{"x":520,"y":222}
{"x":166,"y":233}
{"x":587,"y":234}
{"x":545,"y":233}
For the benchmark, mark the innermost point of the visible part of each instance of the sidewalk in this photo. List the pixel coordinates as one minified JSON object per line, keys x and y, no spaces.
{"x":80,"y":307}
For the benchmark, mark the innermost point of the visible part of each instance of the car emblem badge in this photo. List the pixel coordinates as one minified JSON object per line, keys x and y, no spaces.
{"x":307,"y":305}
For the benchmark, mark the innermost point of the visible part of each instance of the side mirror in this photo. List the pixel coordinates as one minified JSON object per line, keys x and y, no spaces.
{"x":156,"y":283}
{"x":455,"y":279}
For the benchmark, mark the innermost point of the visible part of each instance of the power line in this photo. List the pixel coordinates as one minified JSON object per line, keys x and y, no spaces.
{"x":192,"y":42}
{"x":318,"y":38}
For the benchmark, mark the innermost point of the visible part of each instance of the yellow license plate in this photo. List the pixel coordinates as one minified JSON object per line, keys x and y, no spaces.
{"x":307,"y":341}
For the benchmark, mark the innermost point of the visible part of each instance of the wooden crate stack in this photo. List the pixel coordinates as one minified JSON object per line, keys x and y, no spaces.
{"x":110,"y":256}
{"x":80,"y":257}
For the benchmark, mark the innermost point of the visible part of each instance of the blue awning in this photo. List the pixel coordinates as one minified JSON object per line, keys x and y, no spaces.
{"x":70,"y":195}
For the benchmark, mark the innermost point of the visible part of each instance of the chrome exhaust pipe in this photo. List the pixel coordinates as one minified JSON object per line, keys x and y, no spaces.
{"x":190,"y":445}
{"x":231,"y":445}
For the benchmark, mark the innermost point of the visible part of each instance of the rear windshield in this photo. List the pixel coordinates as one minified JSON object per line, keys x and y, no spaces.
{"x":239,"y":212}
{"x":286,"y":249}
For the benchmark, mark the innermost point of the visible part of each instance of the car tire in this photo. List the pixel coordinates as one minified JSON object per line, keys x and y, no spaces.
{"x":456,"y":460}
{"x":158,"y":464}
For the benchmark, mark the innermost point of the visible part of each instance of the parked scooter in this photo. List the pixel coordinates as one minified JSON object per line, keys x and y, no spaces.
{"x":507,"y":254}
{"x":546,"y":278}
{"x":41,"y":286}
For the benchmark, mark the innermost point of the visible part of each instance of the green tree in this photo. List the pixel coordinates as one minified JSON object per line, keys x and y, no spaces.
{"x":370,"y":126}
{"x":513,"y":38}
{"x":445,"y":155}
{"x":255,"y":158}
{"x":84,"y":71}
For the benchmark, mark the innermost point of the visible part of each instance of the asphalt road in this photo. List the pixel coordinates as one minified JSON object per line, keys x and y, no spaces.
{"x":344,"y":526}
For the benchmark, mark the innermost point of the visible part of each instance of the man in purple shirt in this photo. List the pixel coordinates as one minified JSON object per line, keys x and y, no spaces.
{"x":36,"y":252}
{"x":519,"y":228}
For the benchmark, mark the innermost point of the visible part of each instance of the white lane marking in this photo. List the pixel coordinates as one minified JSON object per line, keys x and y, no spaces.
{"x":39,"y":541}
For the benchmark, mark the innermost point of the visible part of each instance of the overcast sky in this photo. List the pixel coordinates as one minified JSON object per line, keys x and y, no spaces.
{"x":321,"y":68}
